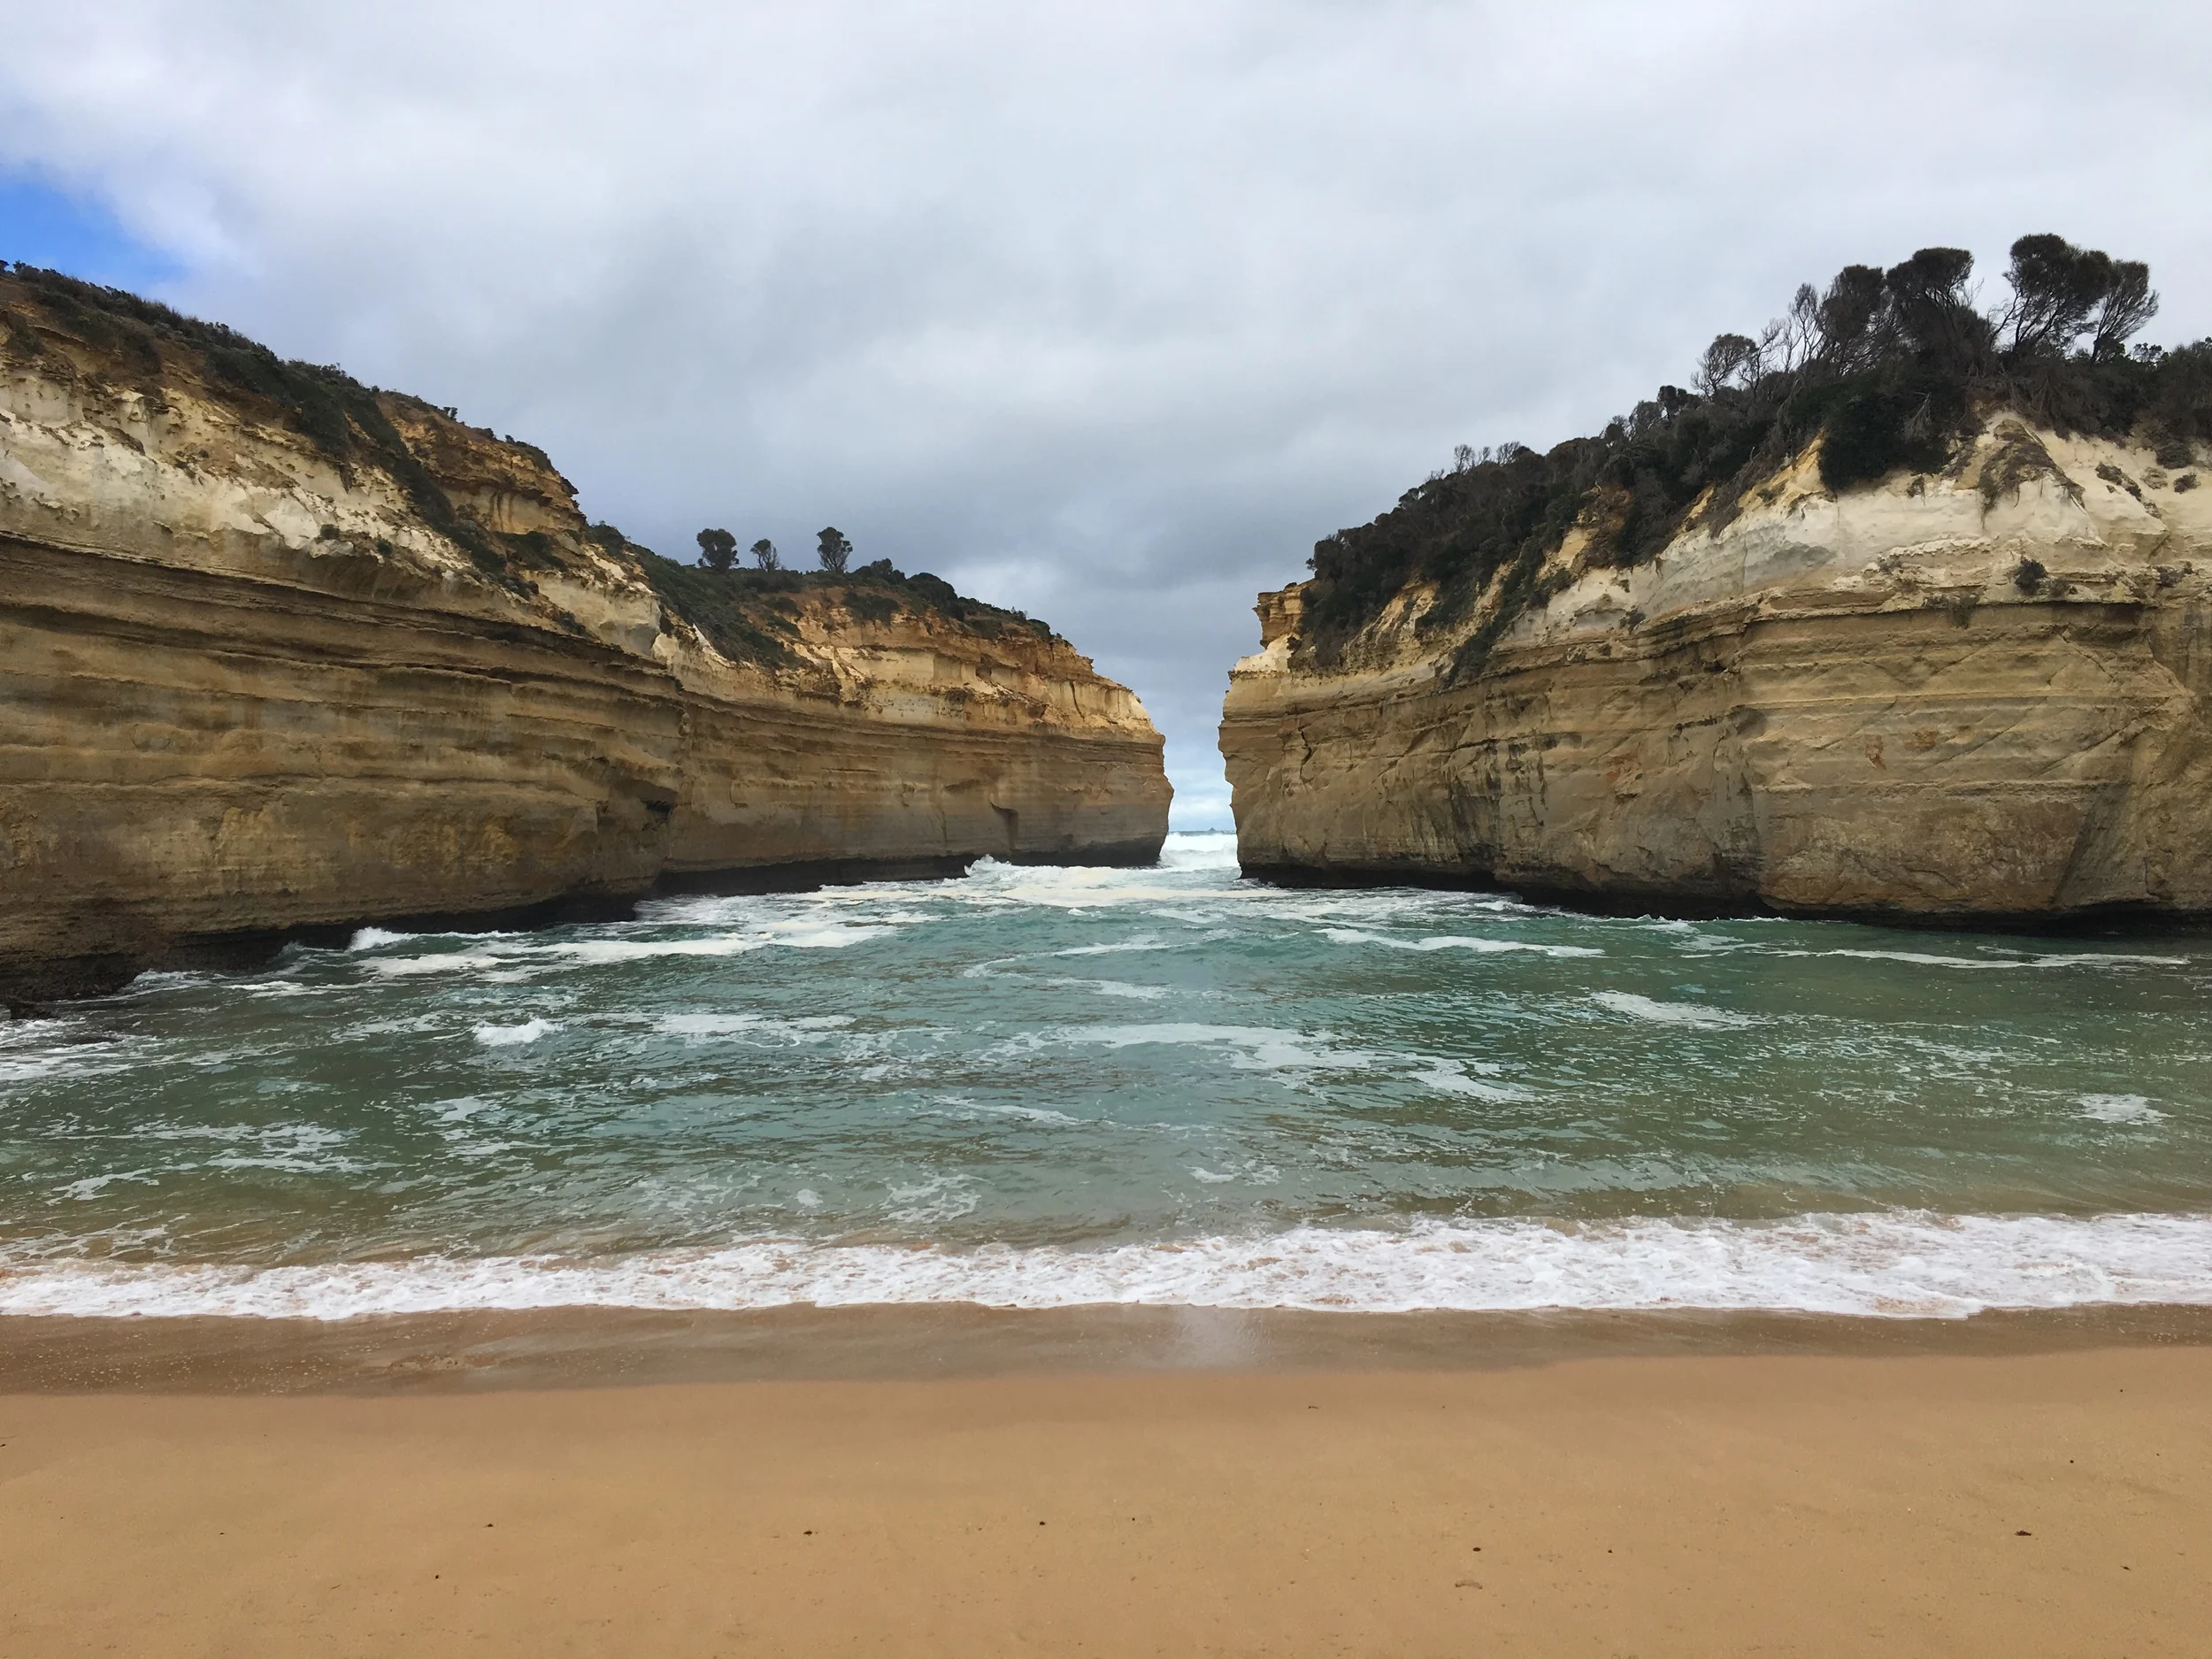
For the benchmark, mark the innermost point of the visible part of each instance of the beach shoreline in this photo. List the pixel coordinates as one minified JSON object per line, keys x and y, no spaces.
{"x":493,"y":1349}
{"x":2027,"y":1492}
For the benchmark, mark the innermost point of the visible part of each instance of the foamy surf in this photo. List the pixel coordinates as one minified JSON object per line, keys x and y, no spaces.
{"x":1891,"y":1265}
{"x":514,"y":1036}
{"x":1246,"y":1088}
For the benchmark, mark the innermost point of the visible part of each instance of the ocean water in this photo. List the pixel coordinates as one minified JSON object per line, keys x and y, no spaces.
{"x":1054,"y":1087}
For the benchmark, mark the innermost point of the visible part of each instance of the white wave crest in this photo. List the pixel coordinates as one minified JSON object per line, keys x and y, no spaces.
{"x":812,"y":1028}
{"x":33,"y":1049}
{"x":1671,"y":1013}
{"x":446,"y":962}
{"x":1142,"y":941}
{"x":1449,"y":1077}
{"x":802,"y":934}
{"x":2106,"y":958}
{"x":1456,"y":941}
{"x":1888,"y":1264}
{"x":376,"y":938}
{"x":600,"y":952}
{"x":1248,"y":1048}
{"x":1997,"y":958}
{"x":1113,"y":988}
{"x":513,"y":1036}
{"x":1200,"y":850}
{"x":2120,"y":1109}
{"x":822,"y":936}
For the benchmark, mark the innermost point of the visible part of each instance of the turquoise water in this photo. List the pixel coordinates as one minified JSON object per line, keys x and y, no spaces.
{"x":1038,"y":1086}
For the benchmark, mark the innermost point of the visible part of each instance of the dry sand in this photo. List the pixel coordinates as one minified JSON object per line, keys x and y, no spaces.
{"x":2038,"y":1503}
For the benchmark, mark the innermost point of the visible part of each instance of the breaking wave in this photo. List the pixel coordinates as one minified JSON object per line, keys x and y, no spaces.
{"x":1894,"y":1266}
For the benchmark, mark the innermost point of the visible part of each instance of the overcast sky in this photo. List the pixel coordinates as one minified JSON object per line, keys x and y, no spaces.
{"x":1104,"y":311}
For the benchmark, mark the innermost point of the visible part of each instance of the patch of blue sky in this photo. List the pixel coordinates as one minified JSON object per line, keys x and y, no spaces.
{"x":62,"y":230}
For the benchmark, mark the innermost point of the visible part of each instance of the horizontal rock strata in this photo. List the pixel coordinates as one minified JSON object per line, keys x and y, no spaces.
{"x":1924,"y":700}
{"x":255,"y":678}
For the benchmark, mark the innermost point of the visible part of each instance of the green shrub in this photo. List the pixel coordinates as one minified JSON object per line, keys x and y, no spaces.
{"x":1882,"y":422}
{"x":341,"y":417}
{"x":747,"y":613}
{"x":1888,"y":369}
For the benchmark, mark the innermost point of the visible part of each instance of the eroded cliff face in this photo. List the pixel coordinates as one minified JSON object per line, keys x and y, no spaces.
{"x":271,"y":659}
{"x":1975,"y":695}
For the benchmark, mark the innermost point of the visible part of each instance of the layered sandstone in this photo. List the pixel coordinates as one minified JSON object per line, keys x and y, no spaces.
{"x":1979,"y":696}
{"x":264,"y":666}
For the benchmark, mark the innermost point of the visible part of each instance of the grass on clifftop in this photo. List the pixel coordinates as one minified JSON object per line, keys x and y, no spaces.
{"x":1893,"y":369}
{"x":334,"y":412}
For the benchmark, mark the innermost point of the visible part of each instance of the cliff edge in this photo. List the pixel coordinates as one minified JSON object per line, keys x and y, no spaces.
{"x":1964,"y":679}
{"x":279,"y":651}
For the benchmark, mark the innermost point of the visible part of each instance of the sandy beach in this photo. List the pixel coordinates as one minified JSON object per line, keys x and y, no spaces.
{"x":2014,"y":1503}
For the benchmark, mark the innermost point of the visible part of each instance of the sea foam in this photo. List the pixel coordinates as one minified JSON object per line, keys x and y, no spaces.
{"x":1883,"y":1264}
{"x":1458,"y":941}
{"x":1661,"y":1013}
{"x":2120,"y":1109}
{"x":514,"y":1036}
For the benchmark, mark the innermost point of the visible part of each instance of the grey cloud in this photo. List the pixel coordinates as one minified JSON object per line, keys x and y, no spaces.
{"x":1107,"y":311}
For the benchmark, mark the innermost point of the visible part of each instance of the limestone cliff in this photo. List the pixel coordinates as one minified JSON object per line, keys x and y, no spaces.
{"x":1978,"y":692}
{"x":277,"y":652}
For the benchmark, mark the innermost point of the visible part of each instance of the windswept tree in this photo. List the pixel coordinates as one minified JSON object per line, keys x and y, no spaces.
{"x":765,"y":556}
{"x":2060,"y":292}
{"x":1932,"y":307}
{"x":1883,"y":370}
{"x":1731,"y":360}
{"x":717,"y":548}
{"x":1850,"y":340}
{"x":834,"y":551}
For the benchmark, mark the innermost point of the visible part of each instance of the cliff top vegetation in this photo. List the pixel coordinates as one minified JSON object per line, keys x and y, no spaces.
{"x":1888,"y":369}
{"x":142,"y":345}
{"x":752,"y":615}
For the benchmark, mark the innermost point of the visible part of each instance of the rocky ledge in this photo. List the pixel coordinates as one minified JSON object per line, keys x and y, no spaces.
{"x":279,"y":652}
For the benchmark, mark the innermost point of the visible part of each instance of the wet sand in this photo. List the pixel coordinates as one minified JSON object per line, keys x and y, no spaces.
{"x":2051,"y":1496}
{"x":567,"y":1348}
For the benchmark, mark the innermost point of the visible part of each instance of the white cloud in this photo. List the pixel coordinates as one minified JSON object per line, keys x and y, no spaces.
{"x":1104,"y":311}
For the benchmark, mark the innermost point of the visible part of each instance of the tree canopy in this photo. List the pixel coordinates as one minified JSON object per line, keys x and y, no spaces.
{"x":1887,"y":369}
